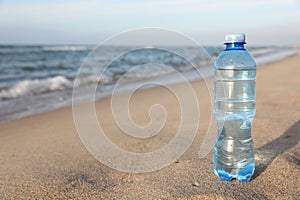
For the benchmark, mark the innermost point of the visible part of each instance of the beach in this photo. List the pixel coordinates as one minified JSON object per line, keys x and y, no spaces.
{"x":42,"y":157}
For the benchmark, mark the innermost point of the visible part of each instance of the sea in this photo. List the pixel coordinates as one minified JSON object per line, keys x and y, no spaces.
{"x":40,"y":78}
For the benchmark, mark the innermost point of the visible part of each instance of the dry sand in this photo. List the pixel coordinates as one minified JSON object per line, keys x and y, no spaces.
{"x":41,"y":157}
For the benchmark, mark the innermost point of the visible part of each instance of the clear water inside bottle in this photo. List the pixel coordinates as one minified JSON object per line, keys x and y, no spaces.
{"x":234,"y":111}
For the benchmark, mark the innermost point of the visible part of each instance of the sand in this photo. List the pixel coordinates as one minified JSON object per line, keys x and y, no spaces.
{"x":42,"y":157}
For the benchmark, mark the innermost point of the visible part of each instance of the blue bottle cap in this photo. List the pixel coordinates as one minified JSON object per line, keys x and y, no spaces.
{"x":231,"y":38}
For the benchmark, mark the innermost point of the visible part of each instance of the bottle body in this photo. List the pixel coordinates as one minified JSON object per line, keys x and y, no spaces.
{"x":234,"y":110}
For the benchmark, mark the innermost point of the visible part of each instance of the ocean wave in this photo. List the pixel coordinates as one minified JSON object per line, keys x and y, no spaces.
{"x":18,"y":50}
{"x":66,"y":48}
{"x":37,"y":68}
{"x":262,"y":51}
{"x":57,"y":83}
{"x":36,"y":86}
{"x":36,"y":49}
{"x":92,"y":79}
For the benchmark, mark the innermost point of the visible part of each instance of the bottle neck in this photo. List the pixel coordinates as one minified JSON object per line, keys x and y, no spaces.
{"x":235,"y":46}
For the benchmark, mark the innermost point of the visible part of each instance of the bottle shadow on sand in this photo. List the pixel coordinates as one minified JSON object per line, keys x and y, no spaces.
{"x":268,"y":152}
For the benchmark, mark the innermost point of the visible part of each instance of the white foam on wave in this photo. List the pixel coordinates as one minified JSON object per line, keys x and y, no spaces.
{"x":274,"y":56}
{"x":57,"y":83}
{"x":263,"y":51}
{"x":36,"y":86}
{"x":66,"y":48}
{"x":93,"y":79}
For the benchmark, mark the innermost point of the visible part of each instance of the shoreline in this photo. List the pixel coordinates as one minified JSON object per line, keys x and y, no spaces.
{"x":41,"y":156}
{"x":60,"y":99}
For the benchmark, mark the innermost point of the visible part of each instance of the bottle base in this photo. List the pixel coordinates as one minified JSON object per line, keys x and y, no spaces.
{"x":244,"y":175}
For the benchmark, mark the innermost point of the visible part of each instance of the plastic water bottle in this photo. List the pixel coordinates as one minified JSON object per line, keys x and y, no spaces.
{"x":234,"y":109}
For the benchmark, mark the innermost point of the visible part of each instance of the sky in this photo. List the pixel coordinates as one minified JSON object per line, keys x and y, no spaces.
{"x":275,"y":22}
